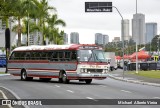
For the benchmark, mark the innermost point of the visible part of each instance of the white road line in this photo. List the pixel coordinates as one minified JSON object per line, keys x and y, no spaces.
{"x":91,"y":98}
{"x":5,"y":97}
{"x":126,"y":91}
{"x":57,"y":86}
{"x":156,"y":97}
{"x":70,"y":91}
{"x":102,"y":86}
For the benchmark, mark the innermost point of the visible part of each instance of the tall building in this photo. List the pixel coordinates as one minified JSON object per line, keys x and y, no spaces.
{"x":74,"y":38}
{"x":116,"y":39}
{"x":105,"y":39}
{"x":138,"y":28}
{"x":99,"y":38}
{"x":35,"y":38}
{"x":65,"y":38}
{"x":125,"y":30}
{"x":151,"y":31}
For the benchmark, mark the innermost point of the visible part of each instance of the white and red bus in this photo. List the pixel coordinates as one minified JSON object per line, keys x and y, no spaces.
{"x":82,"y":62}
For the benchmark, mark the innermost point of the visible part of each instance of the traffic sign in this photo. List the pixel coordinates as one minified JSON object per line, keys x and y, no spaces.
{"x":98,"y":6}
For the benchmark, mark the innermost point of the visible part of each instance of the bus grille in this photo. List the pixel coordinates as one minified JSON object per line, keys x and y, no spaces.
{"x":94,"y":70}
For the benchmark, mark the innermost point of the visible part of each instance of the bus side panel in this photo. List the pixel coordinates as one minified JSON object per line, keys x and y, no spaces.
{"x":50,"y":69}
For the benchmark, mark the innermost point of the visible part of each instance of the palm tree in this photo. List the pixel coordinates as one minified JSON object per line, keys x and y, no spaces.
{"x":19,"y":13}
{"x":55,"y":36}
{"x":53,"y":22}
{"x":30,"y":7}
{"x":6,"y":10}
{"x":42,"y":15}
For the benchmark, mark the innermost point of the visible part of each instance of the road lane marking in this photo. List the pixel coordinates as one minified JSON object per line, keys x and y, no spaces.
{"x":91,"y":98}
{"x":156,"y":97}
{"x":57,"y":86}
{"x":5,"y":97}
{"x":102,"y":86}
{"x":70,"y":91}
{"x":126,"y":91}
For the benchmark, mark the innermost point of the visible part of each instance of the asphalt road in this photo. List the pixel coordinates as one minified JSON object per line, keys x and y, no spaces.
{"x":98,"y":89}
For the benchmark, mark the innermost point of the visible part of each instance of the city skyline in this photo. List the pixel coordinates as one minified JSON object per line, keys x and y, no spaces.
{"x":87,"y":24}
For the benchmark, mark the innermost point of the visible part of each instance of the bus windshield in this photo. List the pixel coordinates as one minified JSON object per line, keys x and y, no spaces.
{"x":91,"y":55}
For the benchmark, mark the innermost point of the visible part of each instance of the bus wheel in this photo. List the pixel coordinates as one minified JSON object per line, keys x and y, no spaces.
{"x":64,"y":78}
{"x":24,"y":76}
{"x":88,"y":81}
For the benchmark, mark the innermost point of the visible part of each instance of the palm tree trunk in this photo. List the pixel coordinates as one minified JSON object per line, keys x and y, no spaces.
{"x":19,"y":32}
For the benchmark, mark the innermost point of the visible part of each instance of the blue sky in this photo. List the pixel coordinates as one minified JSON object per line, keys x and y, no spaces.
{"x":87,"y":24}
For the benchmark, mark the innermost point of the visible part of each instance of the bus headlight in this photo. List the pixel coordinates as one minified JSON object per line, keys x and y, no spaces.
{"x":104,"y":71}
{"x":81,"y":70}
{"x":85,"y":70}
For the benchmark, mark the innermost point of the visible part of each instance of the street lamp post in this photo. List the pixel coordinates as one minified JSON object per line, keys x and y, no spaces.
{"x":136,"y":41}
{"x":122,"y":37}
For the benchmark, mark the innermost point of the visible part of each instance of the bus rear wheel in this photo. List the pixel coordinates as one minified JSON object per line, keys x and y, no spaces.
{"x":88,"y":81}
{"x":64,"y":78}
{"x":24,"y":76}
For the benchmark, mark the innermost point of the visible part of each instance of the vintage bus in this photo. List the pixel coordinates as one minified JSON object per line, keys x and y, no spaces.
{"x":82,"y":62}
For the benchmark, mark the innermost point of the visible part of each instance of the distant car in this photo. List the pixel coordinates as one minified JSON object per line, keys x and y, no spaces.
{"x":3,"y":60}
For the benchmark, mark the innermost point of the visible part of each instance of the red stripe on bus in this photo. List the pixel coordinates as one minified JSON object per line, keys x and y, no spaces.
{"x":39,"y":61}
{"x":42,"y":76}
{"x":40,"y":69}
{"x":74,"y":77}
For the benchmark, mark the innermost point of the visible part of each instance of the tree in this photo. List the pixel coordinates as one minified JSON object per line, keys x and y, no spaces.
{"x":53,"y":23}
{"x":42,"y":15}
{"x":155,"y":42}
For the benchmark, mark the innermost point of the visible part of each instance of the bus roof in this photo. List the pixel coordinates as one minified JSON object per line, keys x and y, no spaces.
{"x":56,"y":47}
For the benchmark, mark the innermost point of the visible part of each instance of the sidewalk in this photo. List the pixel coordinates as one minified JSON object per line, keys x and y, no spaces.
{"x":118,"y":75}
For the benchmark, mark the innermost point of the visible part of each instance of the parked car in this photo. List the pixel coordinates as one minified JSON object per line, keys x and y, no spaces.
{"x":3,"y":60}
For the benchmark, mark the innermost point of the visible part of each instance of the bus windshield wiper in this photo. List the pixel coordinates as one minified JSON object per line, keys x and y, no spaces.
{"x":89,"y":58}
{"x":98,"y":59}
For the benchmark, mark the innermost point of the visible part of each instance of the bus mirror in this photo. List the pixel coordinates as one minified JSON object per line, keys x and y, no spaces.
{"x":78,"y":58}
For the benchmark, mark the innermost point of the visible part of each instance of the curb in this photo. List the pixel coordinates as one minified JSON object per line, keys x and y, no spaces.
{"x":134,"y":81}
{"x":4,"y":74}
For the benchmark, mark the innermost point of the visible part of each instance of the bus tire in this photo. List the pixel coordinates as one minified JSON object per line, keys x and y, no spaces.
{"x":88,"y":81}
{"x":60,"y":80}
{"x":64,"y":78}
{"x":24,"y":76}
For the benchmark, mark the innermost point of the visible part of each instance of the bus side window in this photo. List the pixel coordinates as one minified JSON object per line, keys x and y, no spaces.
{"x":27,"y":56}
{"x":74,"y":56}
{"x":60,"y":56}
{"x":67,"y":56}
{"x":12,"y":57}
{"x":54,"y":56}
{"x":44,"y":56}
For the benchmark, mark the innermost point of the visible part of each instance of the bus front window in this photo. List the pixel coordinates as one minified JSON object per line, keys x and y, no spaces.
{"x":91,"y":55}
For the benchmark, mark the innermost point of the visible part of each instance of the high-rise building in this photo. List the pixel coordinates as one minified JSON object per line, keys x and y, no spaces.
{"x":65,"y":38}
{"x":101,"y":39}
{"x":105,"y":39}
{"x":151,"y":31}
{"x":74,"y":38}
{"x":116,"y":39}
{"x":138,"y":28}
{"x":125,"y":28}
{"x":35,"y":38}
